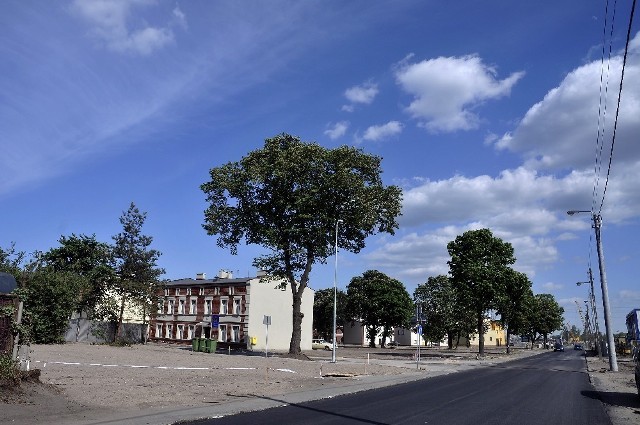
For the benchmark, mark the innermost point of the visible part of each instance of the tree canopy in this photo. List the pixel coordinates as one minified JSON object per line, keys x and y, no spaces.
{"x":288,"y":197}
{"x":323,"y":311}
{"x":512,"y":302}
{"x":137,"y":272}
{"x":380,"y":302}
{"x":478,"y":267}
{"x":90,"y":261}
{"x":441,"y":311}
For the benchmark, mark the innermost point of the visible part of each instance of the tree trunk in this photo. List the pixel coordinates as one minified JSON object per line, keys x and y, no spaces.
{"x":297,"y":315}
{"x":508,"y":340}
{"x":119,"y":327}
{"x":481,"y":334}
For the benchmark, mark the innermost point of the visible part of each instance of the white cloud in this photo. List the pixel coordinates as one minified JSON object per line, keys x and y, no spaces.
{"x":560,"y":131}
{"x":109,"y":21}
{"x":551,"y":287}
{"x":337,"y":130}
{"x":364,"y":93}
{"x":447,"y":89}
{"x":380,"y":132}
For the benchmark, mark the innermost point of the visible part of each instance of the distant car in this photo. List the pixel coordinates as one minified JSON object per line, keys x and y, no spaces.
{"x":558,"y":346}
{"x":578,"y":346}
{"x":321,"y":344}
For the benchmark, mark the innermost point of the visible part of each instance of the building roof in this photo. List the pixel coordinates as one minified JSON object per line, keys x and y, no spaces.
{"x":214,"y":281}
{"x":7,"y":283}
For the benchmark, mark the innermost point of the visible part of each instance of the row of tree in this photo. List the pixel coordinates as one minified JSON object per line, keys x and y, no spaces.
{"x":456,"y":305}
{"x":85,"y":275}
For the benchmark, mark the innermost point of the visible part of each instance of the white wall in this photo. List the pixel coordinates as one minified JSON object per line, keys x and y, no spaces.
{"x":265,"y":299}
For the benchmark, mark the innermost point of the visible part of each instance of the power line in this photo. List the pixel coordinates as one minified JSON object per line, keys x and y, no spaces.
{"x":615,"y":124}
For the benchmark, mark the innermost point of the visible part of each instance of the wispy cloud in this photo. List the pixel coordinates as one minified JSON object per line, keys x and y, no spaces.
{"x":377,"y":133}
{"x":361,"y":94}
{"x":337,"y":130}
{"x":446,"y":90}
{"x":109,"y":22}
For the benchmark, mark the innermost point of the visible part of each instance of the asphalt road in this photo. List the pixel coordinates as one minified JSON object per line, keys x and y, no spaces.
{"x":551,"y":389}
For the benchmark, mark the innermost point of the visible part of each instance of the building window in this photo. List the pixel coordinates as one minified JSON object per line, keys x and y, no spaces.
{"x":191,"y":332}
{"x":166,"y":292}
{"x":177,"y":291}
{"x":170,"y":306}
{"x":207,"y":307}
{"x":180,"y":332}
{"x":235,"y":333}
{"x":194,"y":308}
{"x":216,"y":291}
{"x":224,"y":306}
{"x":169,"y":331}
{"x":201,"y":292}
{"x":158,"y":330}
{"x":188,"y":291}
{"x":236,"y":306}
{"x":160,"y":306}
{"x":181,"y":306}
{"x":222,"y":333}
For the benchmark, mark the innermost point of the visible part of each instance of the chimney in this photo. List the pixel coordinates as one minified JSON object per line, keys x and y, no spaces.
{"x":201,"y":276}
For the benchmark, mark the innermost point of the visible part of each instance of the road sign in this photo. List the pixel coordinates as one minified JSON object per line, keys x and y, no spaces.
{"x":215,"y":320}
{"x":419,"y":329}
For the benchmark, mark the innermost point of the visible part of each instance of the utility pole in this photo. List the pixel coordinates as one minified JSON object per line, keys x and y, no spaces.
{"x":595,"y":315}
{"x":613,"y":361}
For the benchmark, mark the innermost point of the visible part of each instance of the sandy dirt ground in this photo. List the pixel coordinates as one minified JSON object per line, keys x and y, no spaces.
{"x":616,"y":389}
{"x":81,"y":383}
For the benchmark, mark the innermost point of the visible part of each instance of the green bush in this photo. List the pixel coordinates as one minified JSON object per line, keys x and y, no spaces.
{"x":9,"y":371}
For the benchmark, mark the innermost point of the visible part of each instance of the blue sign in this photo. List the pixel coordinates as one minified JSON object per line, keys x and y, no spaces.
{"x":419,"y":329}
{"x":215,"y":320}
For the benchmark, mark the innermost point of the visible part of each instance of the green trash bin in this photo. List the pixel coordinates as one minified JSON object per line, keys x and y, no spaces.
{"x":212,"y":345}
{"x":195,"y":344}
{"x":203,"y":345}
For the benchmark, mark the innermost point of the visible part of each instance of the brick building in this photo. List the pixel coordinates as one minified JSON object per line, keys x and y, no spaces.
{"x":231,"y":310}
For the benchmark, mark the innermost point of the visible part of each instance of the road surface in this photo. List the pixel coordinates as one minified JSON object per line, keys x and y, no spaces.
{"x":549,"y":389}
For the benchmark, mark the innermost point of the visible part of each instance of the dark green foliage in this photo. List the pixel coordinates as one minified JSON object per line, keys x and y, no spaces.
{"x":441,"y":312}
{"x":381,"y":302}
{"x":9,"y":371}
{"x":478,"y":266}
{"x":49,"y":298}
{"x":91,"y":261}
{"x":288,"y":197}
{"x":137,"y":273}
{"x":323,"y":311}
{"x":512,"y":302}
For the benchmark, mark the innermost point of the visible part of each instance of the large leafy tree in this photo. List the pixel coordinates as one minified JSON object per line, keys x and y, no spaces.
{"x":288,"y":197}
{"x":548,"y":316}
{"x":478,"y":267}
{"x":441,"y":312}
{"x":49,"y":299}
{"x":380,"y":302}
{"x":323,"y":311}
{"x":90,"y":261}
{"x":512,"y":302}
{"x":137,"y":272}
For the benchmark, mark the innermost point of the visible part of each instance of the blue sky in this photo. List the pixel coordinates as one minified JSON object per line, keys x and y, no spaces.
{"x":487,"y":114}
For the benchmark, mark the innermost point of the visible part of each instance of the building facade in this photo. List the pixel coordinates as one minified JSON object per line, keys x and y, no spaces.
{"x":239,"y":312}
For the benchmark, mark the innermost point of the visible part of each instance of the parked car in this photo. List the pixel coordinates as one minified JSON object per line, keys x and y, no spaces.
{"x":578,"y":346}
{"x":558,"y":346}
{"x":321,"y":344}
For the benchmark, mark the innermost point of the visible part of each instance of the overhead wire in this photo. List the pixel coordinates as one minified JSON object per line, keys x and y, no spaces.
{"x":602,"y":106}
{"x":615,"y":123}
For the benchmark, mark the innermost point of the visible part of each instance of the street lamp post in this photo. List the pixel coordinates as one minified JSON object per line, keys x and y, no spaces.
{"x":597,"y":224}
{"x":594,"y":311}
{"x":335,"y":295}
